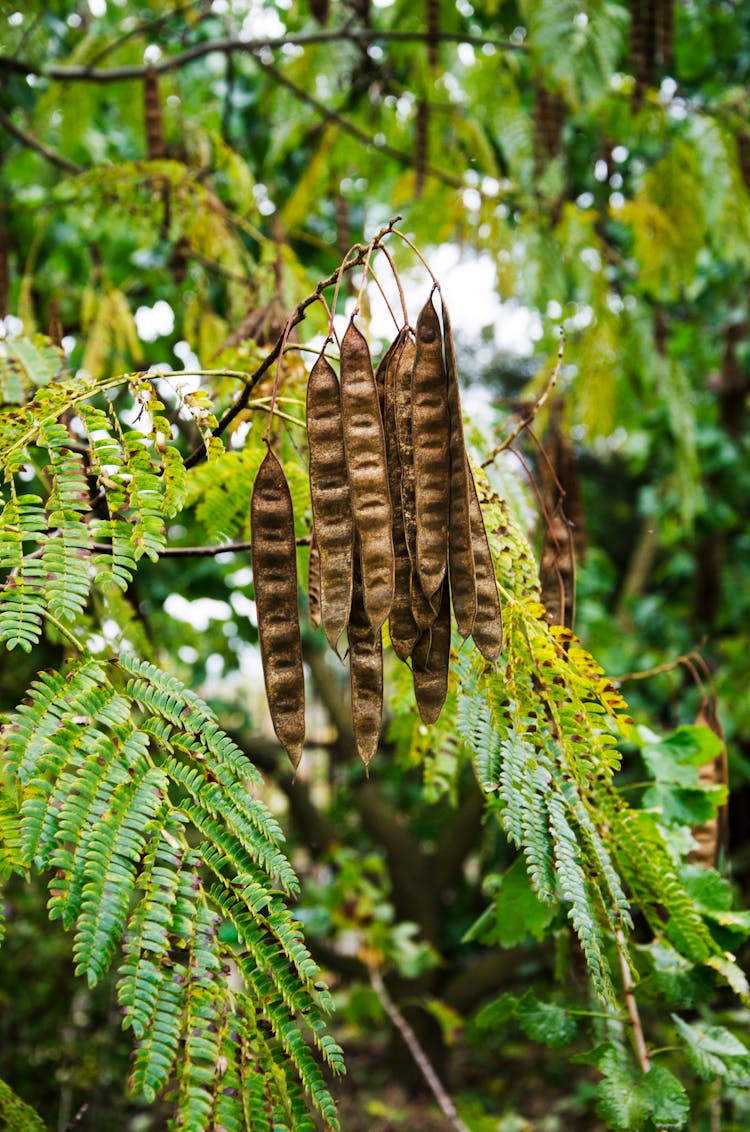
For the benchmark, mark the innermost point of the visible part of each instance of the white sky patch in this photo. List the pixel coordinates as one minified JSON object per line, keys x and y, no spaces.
{"x":199,"y":613}
{"x":154,"y":322}
{"x":152,"y":54}
{"x":243,"y":577}
{"x":472,"y":199}
{"x":10,"y":326}
{"x":261,"y":23}
{"x":466,"y":54}
{"x":468,"y":284}
{"x":98,"y":8}
{"x":189,"y":360}
{"x":243,"y":606}
{"x":601,"y":170}
{"x":592,"y":259}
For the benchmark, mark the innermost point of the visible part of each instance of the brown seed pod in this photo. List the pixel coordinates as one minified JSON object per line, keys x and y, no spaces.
{"x":460,"y":553}
{"x":403,"y":628}
{"x":274,"y":561}
{"x":313,"y":583}
{"x":365,"y":670}
{"x":488,"y":624}
{"x":380,"y":374}
{"x":155,"y":148}
{"x":431,"y":439}
{"x":331,"y":498}
{"x":405,"y":441}
{"x":431,"y":660}
{"x":422,"y":611}
{"x":364,"y":445}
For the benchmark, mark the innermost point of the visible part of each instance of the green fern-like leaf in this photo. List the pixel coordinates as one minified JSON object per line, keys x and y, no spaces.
{"x":142,"y":807}
{"x":66,"y":551}
{"x":22,"y":521}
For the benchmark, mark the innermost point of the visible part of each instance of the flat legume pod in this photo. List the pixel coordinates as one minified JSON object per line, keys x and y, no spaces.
{"x":365,"y":671}
{"x":460,"y":553}
{"x":274,"y":560}
{"x":430,"y":662}
{"x":313,"y":583}
{"x":431,"y":439}
{"x":403,"y":629}
{"x":364,"y":445}
{"x":422,"y":611}
{"x":331,"y":498}
{"x":488,"y":623}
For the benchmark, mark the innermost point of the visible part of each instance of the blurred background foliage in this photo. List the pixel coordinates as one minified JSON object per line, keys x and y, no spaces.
{"x":174,"y":178}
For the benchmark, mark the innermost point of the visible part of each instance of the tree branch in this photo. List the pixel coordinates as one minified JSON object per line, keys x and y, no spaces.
{"x":360,"y":254}
{"x":33,"y":143}
{"x":194,"y":551}
{"x":354,"y":131}
{"x":84,"y":72}
{"x":415,"y":1049}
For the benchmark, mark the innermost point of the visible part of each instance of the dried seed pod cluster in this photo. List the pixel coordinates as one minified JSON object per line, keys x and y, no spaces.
{"x":399,"y":534}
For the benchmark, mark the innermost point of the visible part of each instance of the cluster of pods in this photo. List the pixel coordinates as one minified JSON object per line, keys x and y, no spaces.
{"x":398,"y":531}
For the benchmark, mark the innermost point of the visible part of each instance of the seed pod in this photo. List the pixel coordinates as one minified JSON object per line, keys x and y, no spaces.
{"x":365,"y":670}
{"x":313,"y":583}
{"x":274,"y":561}
{"x":405,"y":441}
{"x":380,"y":373}
{"x":422,"y":611}
{"x":488,"y":624}
{"x":430,"y":662}
{"x":331,"y":498}
{"x":460,"y":554}
{"x":364,"y":445}
{"x":155,"y":148}
{"x":431,"y":439}
{"x":403,"y":628}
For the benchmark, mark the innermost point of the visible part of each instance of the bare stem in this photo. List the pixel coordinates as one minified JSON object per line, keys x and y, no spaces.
{"x":198,"y":551}
{"x":297,"y":317}
{"x":686,"y":659}
{"x":415,"y":1049}
{"x":632,"y":1006}
{"x":551,"y":383}
{"x":379,"y":286}
{"x":397,"y":279}
{"x":418,"y":254}
{"x":88,"y":74}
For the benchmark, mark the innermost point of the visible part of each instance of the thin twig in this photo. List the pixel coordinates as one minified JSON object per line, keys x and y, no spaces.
{"x":361,"y":291}
{"x":84,"y":72}
{"x":142,"y":29}
{"x":415,"y":1049}
{"x":379,"y":286}
{"x":33,"y":143}
{"x":66,"y":633}
{"x":415,"y":249}
{"x":198,"y":551}
{"x":397,"y":279}
{"x":686,"y":659}
{"x":551,"y":383}
{"x":349,"y":127}
{"x":250,"y":382}
{"x":632,"y":1006}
